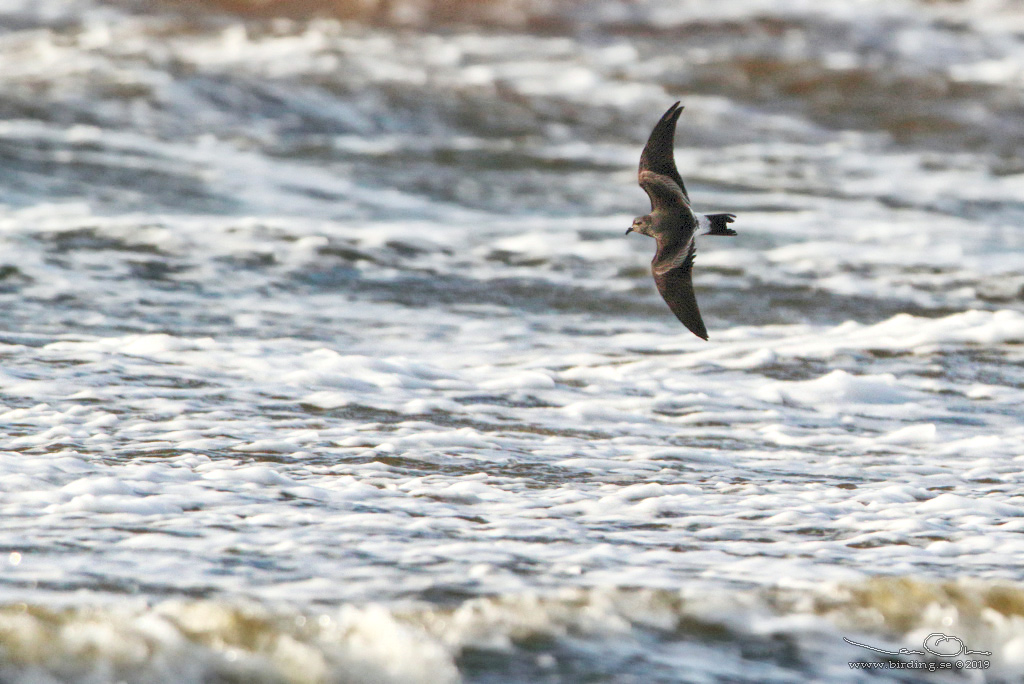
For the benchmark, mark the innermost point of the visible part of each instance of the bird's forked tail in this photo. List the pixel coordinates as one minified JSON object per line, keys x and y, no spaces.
{"x":719,"y":223}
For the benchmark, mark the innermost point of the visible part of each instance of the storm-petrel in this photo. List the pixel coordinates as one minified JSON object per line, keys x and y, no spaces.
{"x":673,"y":224}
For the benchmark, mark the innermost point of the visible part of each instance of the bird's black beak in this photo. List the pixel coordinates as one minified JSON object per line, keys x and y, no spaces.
{"x":629,"y":230}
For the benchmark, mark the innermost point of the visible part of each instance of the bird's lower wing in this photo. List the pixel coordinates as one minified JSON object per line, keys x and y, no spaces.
{"x":675,"y":283}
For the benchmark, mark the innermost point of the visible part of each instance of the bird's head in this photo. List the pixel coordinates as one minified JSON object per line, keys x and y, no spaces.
{"x":641,"y":224}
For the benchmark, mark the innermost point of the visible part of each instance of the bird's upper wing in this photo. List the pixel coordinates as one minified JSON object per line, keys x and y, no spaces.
{"x":673,"y":276}
{"x":663,"y":191}
{"x":657,"y":155}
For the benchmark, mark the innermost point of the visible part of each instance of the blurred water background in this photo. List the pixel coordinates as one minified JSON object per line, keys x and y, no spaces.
{"x":324,"y":357}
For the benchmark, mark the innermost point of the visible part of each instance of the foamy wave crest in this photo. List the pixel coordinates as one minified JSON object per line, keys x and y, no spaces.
{"x":576,"y":632}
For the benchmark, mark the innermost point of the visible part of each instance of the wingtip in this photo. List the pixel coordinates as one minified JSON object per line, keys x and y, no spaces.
{"x":694,"y":324}
{"x":672,"y":112}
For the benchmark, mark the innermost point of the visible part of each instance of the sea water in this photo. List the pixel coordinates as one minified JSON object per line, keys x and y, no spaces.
{"x":325,"y":359}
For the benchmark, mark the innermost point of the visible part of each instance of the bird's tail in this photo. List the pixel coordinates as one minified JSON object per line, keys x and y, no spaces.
{"x":719,"y":222}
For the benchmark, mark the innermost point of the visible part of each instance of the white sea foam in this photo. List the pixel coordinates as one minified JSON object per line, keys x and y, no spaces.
{"x":189,"y":641}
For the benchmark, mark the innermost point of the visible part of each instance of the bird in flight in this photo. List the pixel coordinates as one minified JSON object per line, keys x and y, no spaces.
{"x":673,"y":224}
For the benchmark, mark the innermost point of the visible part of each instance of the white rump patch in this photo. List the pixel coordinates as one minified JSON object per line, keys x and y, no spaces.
{"x":703,"y":225}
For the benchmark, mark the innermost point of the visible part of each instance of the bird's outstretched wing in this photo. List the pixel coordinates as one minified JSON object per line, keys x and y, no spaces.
{"x":658,"y":156}
{"x":663,"y":191}
{"x":673,"y":276}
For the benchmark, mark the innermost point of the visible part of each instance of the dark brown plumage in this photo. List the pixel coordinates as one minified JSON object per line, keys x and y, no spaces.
{"x":673,"y":224}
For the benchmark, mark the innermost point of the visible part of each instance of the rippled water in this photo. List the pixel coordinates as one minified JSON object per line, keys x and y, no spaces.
{"x":325,"y":358}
